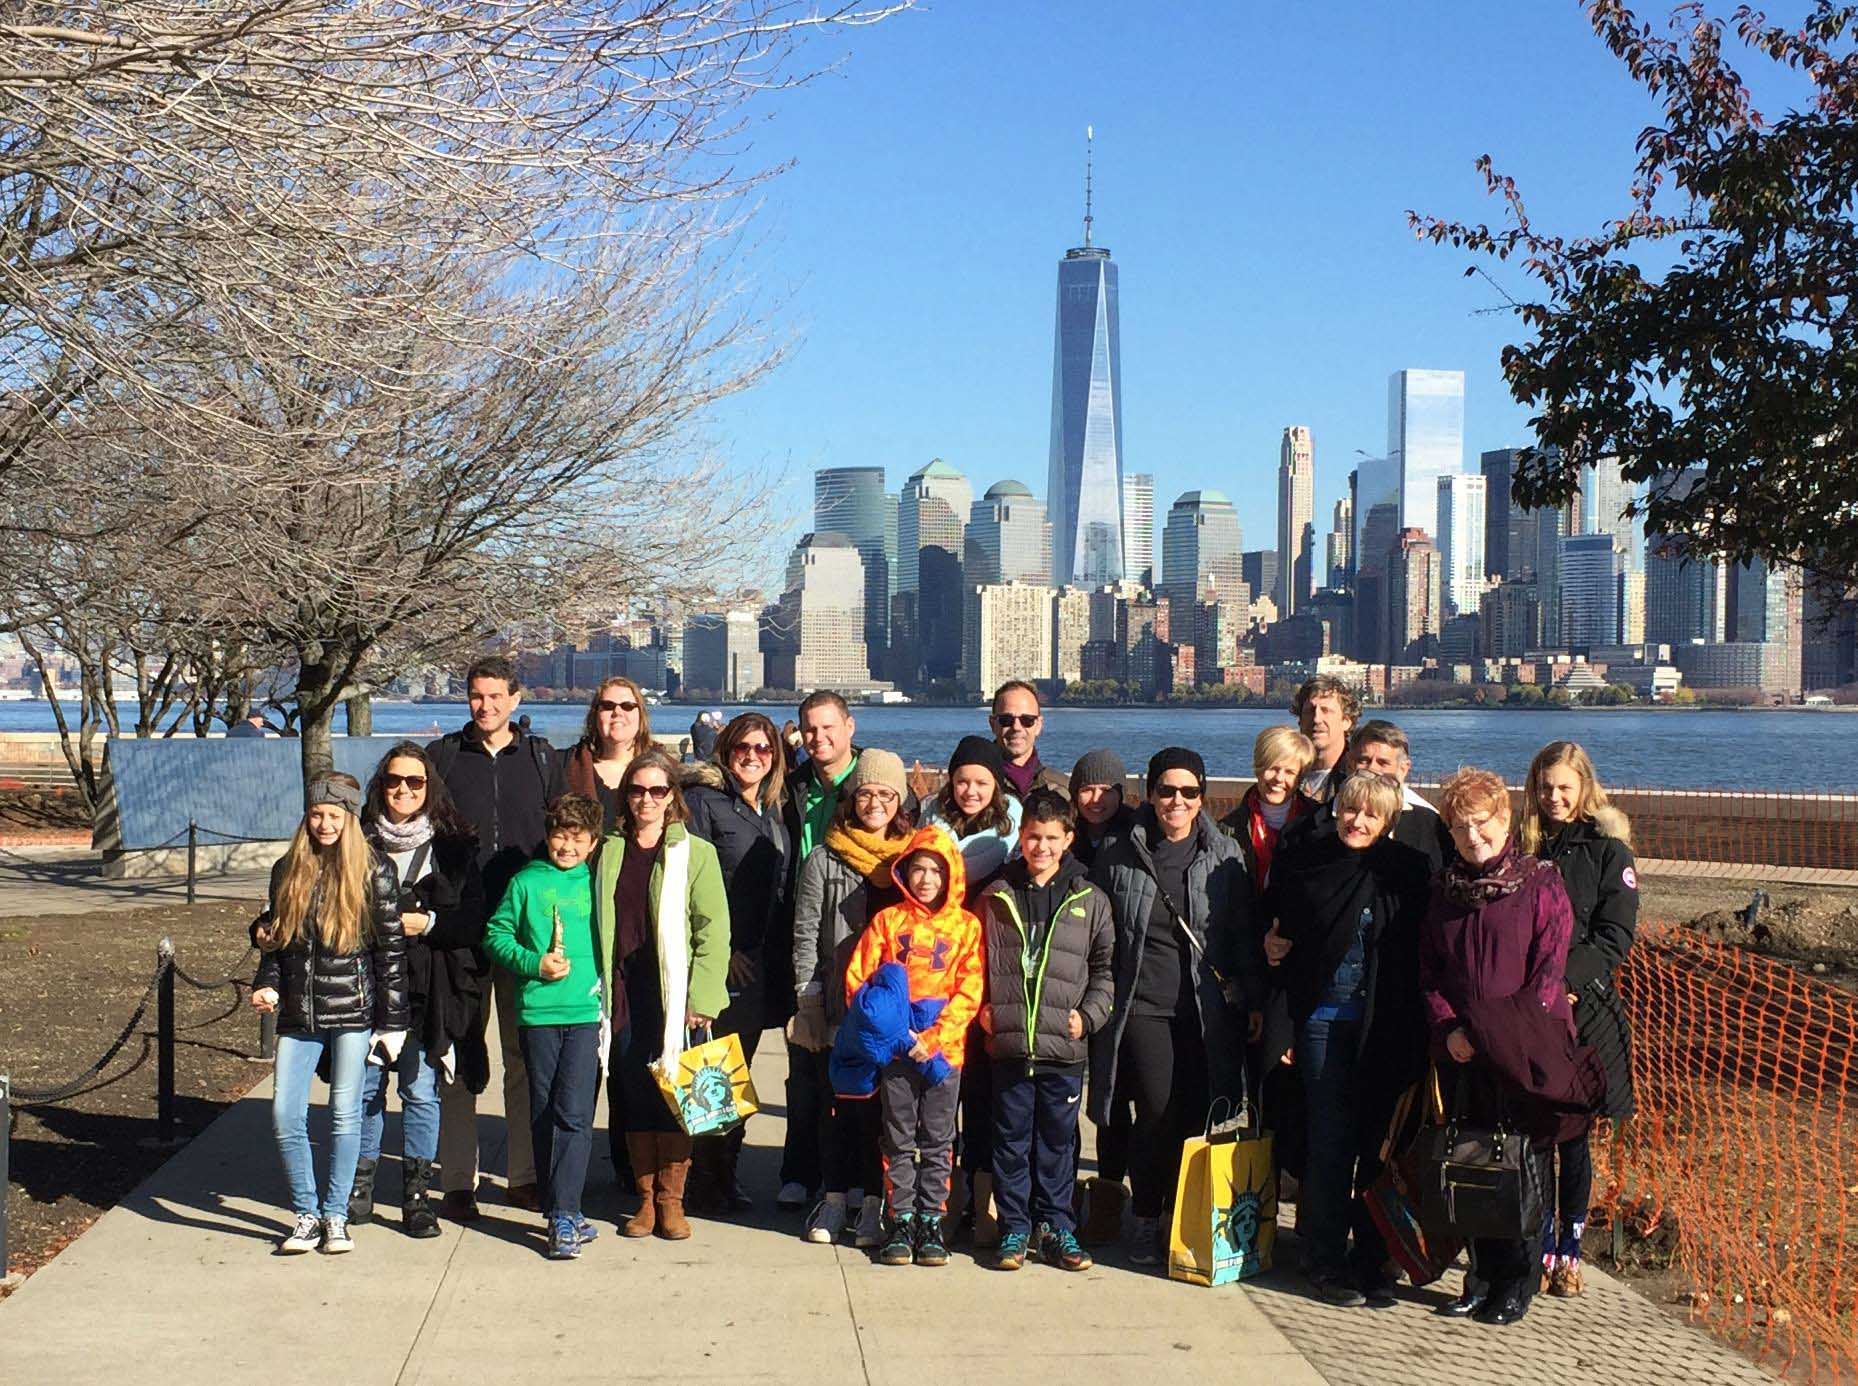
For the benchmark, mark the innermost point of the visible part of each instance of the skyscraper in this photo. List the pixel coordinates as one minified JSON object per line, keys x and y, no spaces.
{"x":1341,"y":544}
{"x":1085,"y":490}
{"x":1686,"y":596}
{"x":1139,"y":528}
{"x":1200,"y":548}
{"x":1008,"y":538}
{"x":931,"y":521}
{"x":1497,"y":466}
{"x":818,"y":636}
{"x":1296,"y":509}
{"x":1375,"y":481}
{"x":1425,"y":439}
{"x":1413,"y":617}
{"x":852,"y":501}
{"x":1461,"y":541}
{"x":1592,"y":573}
{"x":1605,"y":494}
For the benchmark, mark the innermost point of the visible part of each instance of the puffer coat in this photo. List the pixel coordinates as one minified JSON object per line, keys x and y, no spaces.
{"x":1596,"y":863}
{"x":1032,"y":988}
{"x":321,"y":991}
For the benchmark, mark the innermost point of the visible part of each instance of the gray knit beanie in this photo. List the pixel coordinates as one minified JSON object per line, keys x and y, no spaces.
{"x":1098,"y":767}
{"x":880,"y":768}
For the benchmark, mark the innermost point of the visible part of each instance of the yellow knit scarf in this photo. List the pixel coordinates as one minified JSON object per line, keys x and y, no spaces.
{"x":870,"y":854}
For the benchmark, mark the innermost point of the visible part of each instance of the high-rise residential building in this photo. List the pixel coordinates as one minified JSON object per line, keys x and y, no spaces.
{"x":1498,"y":470}
{"x":1510,"y":620}
{"x":1461,"y":540}
{"x":1139,"y":528}
{"x":722,"y":653}
{"x":853,"y":501}
{"x":1376,"y":481}
{"x":1259,"y":568}
{"x":1296,"y":511}
{"x":817,"y":640}
{"x":1592,"y":573}
{"x":1071,"y":631}
{"x":1425,"y":439}
{"x":1007,"y":635}
{"x":1413,"y":602}
{"x":1200,"y":548}
{"x":1341,"y":545}
{"x":1008,"y":538}
{"x":1829,"y":627}
{"x":931,"y":534}
{"x":1632,"y":607}
{"x":1219,"y":632}
{"x":1085,"y":490}
{"x":1686,"y":598}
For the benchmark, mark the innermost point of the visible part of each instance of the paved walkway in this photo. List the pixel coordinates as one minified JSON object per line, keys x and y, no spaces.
{"x":180,"y":1283}
{"x":44,"y":880}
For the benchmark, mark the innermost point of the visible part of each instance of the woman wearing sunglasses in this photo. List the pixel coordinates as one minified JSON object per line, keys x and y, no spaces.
{"x":662,"y":917}
{"x":735,"y":806}
{"x":410,"y":822}
{"x":619,"y":727}
{"x":1182,"y":902}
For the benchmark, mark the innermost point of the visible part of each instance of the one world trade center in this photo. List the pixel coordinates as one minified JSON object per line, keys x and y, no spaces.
{"x":1085,"y":492}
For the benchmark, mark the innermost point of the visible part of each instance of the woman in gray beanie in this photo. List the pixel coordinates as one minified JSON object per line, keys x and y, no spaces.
{"x":1097,"y":796}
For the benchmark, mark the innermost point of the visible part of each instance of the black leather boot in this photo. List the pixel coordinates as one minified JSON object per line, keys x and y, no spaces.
{"x":361,"y":1194}
{"x":417,"y":1218}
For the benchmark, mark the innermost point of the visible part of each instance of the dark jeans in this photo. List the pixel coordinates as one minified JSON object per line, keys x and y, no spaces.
{"x":849,"y":1137}
{"x":1561,"y":1235}
{"x":564,"y":1081}
{"x":1341,"y":1156}
{"x":977,"y":1103}
{"x":1161,"y":1071}
{"x":800,"y":1153}
{"x":1034,"y":1145}
{"x":919,"y":1138}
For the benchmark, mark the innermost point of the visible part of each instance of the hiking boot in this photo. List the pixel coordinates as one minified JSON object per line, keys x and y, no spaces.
{"x":899,"y":1247}
{"x":361,"y":1193}
{"x":1059,"y":1247}
{"x":1011,"y":1254}
{"x":826,"y":1223}
{"x":335,"y":1237}
{"x":930,"y":1248}
{"x":416,"y":1216}
{"x":306,"y":1234}
{"x":870,"y":1231}
{"x":564,"y":1239}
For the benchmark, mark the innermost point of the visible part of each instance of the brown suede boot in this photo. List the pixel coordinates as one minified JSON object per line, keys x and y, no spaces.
{"x":673,"y":1169}
{"x":1103,"y":1221}
{"x":642,"y":1147}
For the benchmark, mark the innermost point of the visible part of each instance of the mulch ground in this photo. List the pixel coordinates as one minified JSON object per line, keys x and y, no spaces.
{"x":67,"y":987}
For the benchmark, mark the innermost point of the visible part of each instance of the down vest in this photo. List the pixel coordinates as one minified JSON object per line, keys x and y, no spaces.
{"x":1039,"y":971}
{"x":1598,"y":868}
{"x":320,"y":991}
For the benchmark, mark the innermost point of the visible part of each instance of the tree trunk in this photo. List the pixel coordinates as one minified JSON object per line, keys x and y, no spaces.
{"x":360,"y":714}
{"x":316,"y":748}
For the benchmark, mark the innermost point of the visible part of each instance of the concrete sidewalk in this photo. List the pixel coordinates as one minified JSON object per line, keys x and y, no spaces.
{"x":180,"y":1283}
{"x":55,"y":880}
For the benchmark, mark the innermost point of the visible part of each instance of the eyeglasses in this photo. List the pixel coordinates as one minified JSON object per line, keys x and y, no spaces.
{"x":875,"y":794}
{"x":760,"y":750}
{"x":609,"y":705}
{"x":1189,"y":792}
{"x":412,"y":782}
{"x":639,"y":791}
{"x":1028,"y":720}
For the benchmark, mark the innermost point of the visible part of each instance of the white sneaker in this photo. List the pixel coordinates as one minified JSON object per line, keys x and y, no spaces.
{"x":335,"y":1237}
{"x":792,"y":1195}
{"x":306,"y":1234}
{"x":826,"y":1223}
{"x":870,"y":1231}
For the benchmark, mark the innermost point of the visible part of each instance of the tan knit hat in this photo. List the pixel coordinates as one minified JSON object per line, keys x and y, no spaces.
{"x":877,"y":767}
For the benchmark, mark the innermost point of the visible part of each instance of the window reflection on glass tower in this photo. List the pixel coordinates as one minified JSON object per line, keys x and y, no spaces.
{"x":1084,"y":491}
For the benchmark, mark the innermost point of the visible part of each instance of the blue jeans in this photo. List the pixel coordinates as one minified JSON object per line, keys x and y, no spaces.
{"x":1328,"y":1052}
{"x":419,"y":1106}
{"x":297,"y":1056}
{"x":1035,"y":1145}
{"x":564,"y":1081}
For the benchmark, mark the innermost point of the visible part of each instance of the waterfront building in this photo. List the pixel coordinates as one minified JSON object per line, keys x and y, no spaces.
{"x":1770,"y":666}
{"x":1008,"y":538}
{"x":1139,"y":529}
{"x":1200,"y":555}
{"x":1296,"y":512}
{"x":1413,"y":592}
{"x":1007,"y":635}
{"x":1425,"y":439}
{"x":1461,"y":639}
{"x":722,"y":653}
{"x":1071,"y":631}
{"x":1829,"y":631}
{"x":854,"y":501}
{"x":1461,"y":503}
{"x":817,"y":637}
{"x":931,"y":534}
{"x":1340,"y":547}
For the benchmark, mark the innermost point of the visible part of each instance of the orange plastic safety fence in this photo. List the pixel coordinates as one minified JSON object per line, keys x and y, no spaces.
{"x":1745,"y":1144}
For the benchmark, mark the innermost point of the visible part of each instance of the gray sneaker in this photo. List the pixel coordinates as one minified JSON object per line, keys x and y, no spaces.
{"x":306,"y":1234}
{"x":335,"y":1237}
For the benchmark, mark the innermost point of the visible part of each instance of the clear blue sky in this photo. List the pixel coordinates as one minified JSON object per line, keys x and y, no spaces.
{"x":1254,"y":165}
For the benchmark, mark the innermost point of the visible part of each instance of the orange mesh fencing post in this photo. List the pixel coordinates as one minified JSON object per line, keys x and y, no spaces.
{"x":1745,"y":1145}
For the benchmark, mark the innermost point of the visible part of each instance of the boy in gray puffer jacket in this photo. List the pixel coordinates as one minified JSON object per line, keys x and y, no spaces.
{"x":1048,"y":946}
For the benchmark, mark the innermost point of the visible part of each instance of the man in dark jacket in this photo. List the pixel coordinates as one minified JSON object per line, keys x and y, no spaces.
{"x":502,"y":780}
{"x":1017,"y":720}
{"x":1326,"y":710}
{"x":1049,"y":940}
{"x":1381,"y":748}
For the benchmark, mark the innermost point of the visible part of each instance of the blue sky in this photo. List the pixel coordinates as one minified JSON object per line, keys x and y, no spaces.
{"x":1254,"y":166}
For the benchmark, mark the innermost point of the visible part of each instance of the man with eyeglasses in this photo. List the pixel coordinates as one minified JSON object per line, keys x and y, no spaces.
{"x":1017,"y":721}
{"x":502,"y":780}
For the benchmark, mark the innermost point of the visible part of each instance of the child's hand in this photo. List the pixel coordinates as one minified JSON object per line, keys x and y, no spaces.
{"x":984,"y":1017}
{"x":264,"y":999}
{"x":554,"y":967}
{"x":1075,"y":1023}
{"x":919,"y":1051}
{"x":414,"y":924}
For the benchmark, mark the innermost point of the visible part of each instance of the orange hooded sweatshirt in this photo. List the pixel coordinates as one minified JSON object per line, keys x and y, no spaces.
{"x":940,"y":948}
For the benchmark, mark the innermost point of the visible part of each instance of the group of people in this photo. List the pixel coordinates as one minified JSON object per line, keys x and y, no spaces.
{"x":957,"y":968}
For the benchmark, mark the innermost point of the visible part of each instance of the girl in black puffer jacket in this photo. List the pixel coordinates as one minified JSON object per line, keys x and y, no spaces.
{"x":335,"y":973}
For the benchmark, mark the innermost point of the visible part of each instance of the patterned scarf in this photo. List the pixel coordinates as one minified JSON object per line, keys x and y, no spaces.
{"x":870,"y":854}
{"x":409,"y":836}
{"x":1470,"y":885}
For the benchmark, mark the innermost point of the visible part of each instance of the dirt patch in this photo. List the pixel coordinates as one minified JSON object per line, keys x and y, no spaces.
{"x":67,"y":987}
{"x":42,"y":810}
{"x":1814,"y":928}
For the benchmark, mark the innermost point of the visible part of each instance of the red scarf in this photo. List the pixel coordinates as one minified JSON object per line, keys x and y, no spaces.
{"x":1264,"y":836}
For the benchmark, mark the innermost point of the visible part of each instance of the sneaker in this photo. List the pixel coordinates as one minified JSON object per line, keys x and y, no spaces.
{"x":1011,"y":1253}
{"x":826,"y":1223}
{"x":1059,"y":1247}
{"x":931,"y":1250}
{"x":335,"y":1237}
{"x":1334,"y":1290}
{"x":870,"y":1224}
{"x":306,"y":1234}
{"x":899,"y":1247}
{"x":585,"y":1230}
{"x":564,"y":1239}
{"x":1145,"y":1242}
{"x":792,"y":1197}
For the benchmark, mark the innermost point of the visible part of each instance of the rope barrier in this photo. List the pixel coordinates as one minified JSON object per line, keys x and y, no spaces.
{"x":71,"y":1087}
{"x":235,"y":978}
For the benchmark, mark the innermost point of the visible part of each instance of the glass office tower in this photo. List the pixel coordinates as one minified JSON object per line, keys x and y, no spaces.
{"x":1425,"y":439}
{"x":854,"y":502}
{"x":1085,"y":486}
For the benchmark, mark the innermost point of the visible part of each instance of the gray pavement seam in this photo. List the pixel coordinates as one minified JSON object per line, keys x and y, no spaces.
{"x":851,"y":1308}
{"x":438,"y":1288}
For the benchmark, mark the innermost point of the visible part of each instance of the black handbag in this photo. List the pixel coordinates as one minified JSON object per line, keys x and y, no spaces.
{"x":1481,"y":1181}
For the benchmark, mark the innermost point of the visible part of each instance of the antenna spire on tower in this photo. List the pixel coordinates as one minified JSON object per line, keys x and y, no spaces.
{"x":1090,"y":135}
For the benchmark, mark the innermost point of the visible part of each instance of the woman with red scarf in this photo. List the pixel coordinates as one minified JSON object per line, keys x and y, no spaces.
{"x":1280,"y":755}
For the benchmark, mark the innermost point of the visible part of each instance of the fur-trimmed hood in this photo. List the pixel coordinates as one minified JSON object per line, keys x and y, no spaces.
{"x":1612,"y":822}
{"x":701,"y":772}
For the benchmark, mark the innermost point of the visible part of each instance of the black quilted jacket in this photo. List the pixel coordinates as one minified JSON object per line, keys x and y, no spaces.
{"x":319,"y":990}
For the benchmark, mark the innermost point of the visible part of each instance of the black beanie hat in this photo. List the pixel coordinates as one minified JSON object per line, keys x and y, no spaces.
{"x":978,"y":750}
{"x":1175,"y":758}
{"x":1102,"y":766}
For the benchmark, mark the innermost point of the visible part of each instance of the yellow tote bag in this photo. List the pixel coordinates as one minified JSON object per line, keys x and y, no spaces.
{"x":708,"y":1086}
{"x":1225,"y":1203}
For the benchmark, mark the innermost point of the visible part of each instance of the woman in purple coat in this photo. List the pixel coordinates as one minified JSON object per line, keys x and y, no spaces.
{"x":1492,"y":956}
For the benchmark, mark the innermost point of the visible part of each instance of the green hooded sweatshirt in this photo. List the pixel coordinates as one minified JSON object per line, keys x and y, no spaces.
{"x":518,"y":932}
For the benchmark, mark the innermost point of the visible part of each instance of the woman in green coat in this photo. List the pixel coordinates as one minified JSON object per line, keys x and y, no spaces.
{"x":663,"y":918}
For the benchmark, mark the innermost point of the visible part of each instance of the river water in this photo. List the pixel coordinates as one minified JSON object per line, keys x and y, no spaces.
{"x":1799,"y":751}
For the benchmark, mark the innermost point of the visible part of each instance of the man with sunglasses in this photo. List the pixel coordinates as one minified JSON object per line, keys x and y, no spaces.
{"x":502,"y":780}
{"x":1017,"y":721}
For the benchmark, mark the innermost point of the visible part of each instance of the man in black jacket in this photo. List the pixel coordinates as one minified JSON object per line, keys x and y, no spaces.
{"x":1382,"y":748}
{"x":502,"y":779}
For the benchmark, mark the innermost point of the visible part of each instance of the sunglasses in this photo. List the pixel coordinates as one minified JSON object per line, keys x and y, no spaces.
{"x":413,"y":782}
{"x":1178,"y":791}
{"x":760,"y":750}
{"x":1028,"y":720}
{"x":639,"y":791}
{"x":608,"y":705}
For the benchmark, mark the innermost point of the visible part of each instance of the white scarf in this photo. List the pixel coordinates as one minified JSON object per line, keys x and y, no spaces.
{"x":674,"y":948}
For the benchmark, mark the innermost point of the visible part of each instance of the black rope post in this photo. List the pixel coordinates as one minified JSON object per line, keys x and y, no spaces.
{"x":193,"y":855}
{"x":164,"y":1022}
{"x":6,"y":1125}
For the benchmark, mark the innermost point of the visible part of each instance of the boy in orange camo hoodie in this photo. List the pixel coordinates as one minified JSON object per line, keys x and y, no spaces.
{"x":938,"y":943}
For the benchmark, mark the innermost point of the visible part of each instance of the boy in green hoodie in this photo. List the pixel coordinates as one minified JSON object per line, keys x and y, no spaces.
{"x":543,"y":932}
